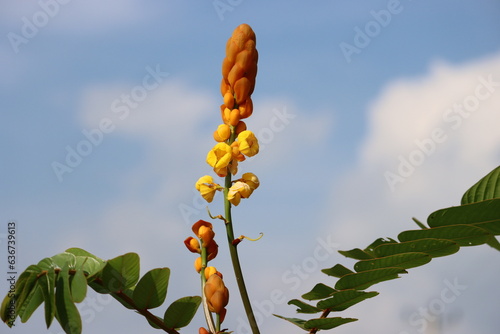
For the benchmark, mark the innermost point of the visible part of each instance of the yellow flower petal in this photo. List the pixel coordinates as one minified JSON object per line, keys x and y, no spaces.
{"x":248,"y":143}
{"x":251,"y":179}
{"x":220,"y":156}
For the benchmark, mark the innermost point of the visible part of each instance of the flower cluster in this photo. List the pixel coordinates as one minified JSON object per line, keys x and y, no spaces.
{"x":205,"y":233}
{"x":216,"y":293}
{"x":234,"y":141}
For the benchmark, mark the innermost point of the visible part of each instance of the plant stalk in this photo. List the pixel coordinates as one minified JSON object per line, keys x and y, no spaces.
{"x":235,"y":259}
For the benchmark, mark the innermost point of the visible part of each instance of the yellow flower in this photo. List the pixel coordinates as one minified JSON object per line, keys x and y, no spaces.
{"x":220,"y":156}
{"x":251,"y":179}
{"x":238,"y":191}
{"x":207,"y":188}
{"x":248,"y":143}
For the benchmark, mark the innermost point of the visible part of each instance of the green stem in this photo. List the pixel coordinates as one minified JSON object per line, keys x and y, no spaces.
{"x":206,"y":311}
{"x":235,"y":259}
{"x":144,"y":312}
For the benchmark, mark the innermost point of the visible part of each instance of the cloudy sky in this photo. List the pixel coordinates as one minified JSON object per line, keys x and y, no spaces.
{"x":369,"y":113}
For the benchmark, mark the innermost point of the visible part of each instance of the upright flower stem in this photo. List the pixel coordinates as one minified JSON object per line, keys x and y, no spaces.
{"x":235,"y":259}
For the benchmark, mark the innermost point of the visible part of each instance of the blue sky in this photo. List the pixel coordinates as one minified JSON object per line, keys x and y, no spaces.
{"x":335,"y":127}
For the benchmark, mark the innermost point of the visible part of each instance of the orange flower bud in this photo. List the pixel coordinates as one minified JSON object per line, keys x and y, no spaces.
{"x":246,"y":108}
{"x":234,"y":117}
{"x":236,"y":152}
{"x":222,"y":133}
{"x":212,"y":250}
{"x":244,"y":58}
{"x":226,"y":66}
{"x":236,"y":72}
{"x":224,"y":86}
{"x":206,"y":234}
{"x":192,"y":244}
{"x":240,"y":127}
{"x":241,"y":89}
{"x":203,"y":331}
{"x":203,"y":230}
{"x":217,"y":294}
{"x":209,"y":271}
{"x":197,"y":264}
{"x":229,"y":100}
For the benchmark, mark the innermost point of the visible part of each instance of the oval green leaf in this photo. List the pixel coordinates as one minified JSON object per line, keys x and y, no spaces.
{"x":320,"y":291}
{"x":486,"y":188}
{"x":337,"y":270}
{"x":303,"y":307}
{"x":463,"y":235}
{"x":344,"y":299}
{"x":180,"y":313}
{"x":78,"y":286}
{"x":327,"y":323}
{"x":151,"y":290}
{"x":67,"y":313}
{"x":121,"y":273}
{"x":404,"y":261}
{"x":365,"y":279}
{"x":432,"y":247}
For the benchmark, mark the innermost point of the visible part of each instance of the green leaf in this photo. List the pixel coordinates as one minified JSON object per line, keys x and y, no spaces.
{"x":180,"y":313}
{"x":151,"y":290}
{"x":484,"y":214}
{"x":31,"y":303}
{"x":375,"y":244}
{"x":365,"y":279}
{"x":155,"y":326}
{"x":47,"y":285}
{"x":327,"y":323}
{"x":463,"y":235}
{"x":432,"y":247}
{"x":337,"y":270}
{"x":303,"y":307}
{"x":320,"y":291}
{"x":78,"y":286}
{"x":356,"y":254}
{"x":90,"y":263}
{"x":404,"y":261}
{"x":486,"y":188}
{"x":344,"y":299}
{"x":129,"y":293}
{"x":67,"y":314}
{"x":121,"y":273}
{"x":15,"y":297}
{"x":8,"y":310}
{"x":64,"y":259}
{"x":297,"y":322}
{"x":81,"y":252}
